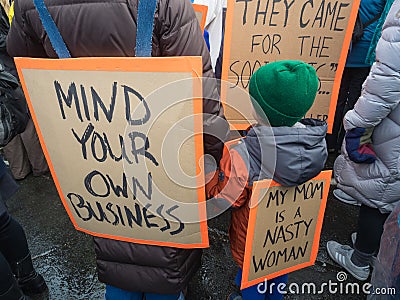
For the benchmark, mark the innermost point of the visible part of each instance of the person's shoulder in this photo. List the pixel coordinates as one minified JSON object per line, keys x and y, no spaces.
{"x":28,"y":5}
{"x":24,"y":5}
{"x":175,"y":9}
{"x":171,"y":4}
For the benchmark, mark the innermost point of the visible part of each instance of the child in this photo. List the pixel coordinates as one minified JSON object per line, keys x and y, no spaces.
{"x":281,"y":93}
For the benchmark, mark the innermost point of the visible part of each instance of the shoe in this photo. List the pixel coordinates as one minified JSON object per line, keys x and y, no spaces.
{"x":373,"y":258}
{"x":345,"y":198}
{"x":341,"y":254}
{"x":33,"y":284}
{"x":29,"y":281}
{"x":234,"y":296}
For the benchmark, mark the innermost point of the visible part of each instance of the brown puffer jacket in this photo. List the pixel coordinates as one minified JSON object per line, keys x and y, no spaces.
{"x":108,"y":28}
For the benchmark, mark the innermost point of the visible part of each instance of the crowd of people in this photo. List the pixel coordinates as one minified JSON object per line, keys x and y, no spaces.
{"x":366,"y":138}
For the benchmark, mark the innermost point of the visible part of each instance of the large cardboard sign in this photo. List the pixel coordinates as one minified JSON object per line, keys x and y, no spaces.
{"x":123,"y":139}
{"x":201,"y":14}
{"x":284,"y":228}
{"x":262,"y":31}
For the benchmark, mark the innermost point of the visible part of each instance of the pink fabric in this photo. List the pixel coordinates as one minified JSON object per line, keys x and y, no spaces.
{"x":366,"y":149}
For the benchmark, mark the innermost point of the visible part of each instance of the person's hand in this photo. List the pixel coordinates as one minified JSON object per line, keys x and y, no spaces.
{"x":358,"y":145}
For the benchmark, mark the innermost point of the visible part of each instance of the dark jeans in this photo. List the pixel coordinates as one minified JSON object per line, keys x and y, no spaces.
{"x":370,"y":229}
{"x":13,"y":248}
{"x":6,"y":276}
{"x":349,"y":92}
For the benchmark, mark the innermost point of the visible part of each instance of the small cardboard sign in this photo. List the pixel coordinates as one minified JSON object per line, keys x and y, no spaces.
{"x":261,"y":31}
{"x":201,"y":14}
{"x":284,"y":228}
{"x":123,"y":139}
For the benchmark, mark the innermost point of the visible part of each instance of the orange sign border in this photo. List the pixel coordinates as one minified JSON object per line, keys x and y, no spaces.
{"x":202,"y":9}
{"x":336,"y":83}
{"x":191,"y":64}
{"x":263,"y":184}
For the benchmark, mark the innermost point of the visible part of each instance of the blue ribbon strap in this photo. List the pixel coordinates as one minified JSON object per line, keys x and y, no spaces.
{"x":55,"y":37}
{"x":144,"y":34}
{"x":145,"y":24}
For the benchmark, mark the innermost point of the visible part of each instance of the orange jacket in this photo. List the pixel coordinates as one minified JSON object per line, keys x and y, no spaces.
{"x":230,"y":183}
{"x":289,"y":155}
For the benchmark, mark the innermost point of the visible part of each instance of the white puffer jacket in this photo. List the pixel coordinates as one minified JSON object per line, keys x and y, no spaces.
{"x":378,"y":184}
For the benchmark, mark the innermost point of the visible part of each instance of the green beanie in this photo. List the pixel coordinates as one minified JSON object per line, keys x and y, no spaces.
{"x":284,"y":90}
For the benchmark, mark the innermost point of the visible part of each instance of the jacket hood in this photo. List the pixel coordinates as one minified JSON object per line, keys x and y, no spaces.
{"x":289,"y":155}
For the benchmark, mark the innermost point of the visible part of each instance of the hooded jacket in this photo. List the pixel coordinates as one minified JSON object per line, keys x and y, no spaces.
{"x":107,"y":28}
{"x":368,"y":10}
{"x":288,"y":155}
{"x":378,"y":184}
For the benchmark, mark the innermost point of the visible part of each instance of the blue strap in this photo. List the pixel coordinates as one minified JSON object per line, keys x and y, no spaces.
{"x":145,"y":24}
{"x":146,"y":11}
{"x":55,"y":37}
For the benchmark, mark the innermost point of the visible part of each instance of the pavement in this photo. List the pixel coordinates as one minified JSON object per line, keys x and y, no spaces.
{"x":65,"y":257}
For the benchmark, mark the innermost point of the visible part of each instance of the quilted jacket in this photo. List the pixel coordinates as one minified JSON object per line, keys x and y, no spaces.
{"x":378,"y":184}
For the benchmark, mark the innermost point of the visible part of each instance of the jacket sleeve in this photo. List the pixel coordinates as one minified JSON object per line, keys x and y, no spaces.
{"x":229,"y":183}
{"x":181,"y":36}
{"x":381,"y":89}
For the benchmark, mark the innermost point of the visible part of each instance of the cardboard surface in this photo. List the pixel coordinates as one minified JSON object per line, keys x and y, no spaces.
{"x":201,"y":14}
{"x":107,"y":126}
{"x":262,"y":31}
{"x":284,"y":228}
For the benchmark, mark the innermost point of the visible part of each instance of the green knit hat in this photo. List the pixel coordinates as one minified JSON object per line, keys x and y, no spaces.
{"x":285,"y":90}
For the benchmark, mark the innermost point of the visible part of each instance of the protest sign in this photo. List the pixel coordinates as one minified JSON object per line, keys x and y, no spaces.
{"x":201,"y":14}
{"x":284,"y":228}
{"x":262,"y":31}
{"x":107,"y":127}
